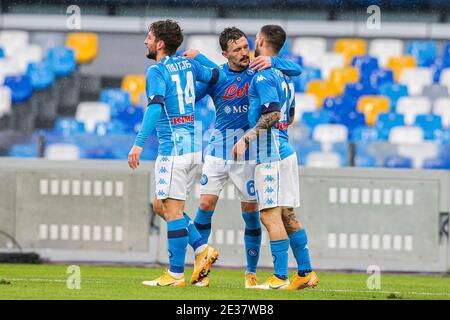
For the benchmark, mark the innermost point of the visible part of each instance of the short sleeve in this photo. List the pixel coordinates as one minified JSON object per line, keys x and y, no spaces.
{"x":267,"y":92}
{"x":155,"y":86}
{"x":204,"y":74}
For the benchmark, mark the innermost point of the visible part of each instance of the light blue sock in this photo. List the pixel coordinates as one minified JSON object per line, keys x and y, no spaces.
{"x":202,"y":222}
{"x":177,"y":235}
{"x":279,"y":250}
{"x":299,"y":246}
{"x":195,"y":238}
{"x":252,"y":239}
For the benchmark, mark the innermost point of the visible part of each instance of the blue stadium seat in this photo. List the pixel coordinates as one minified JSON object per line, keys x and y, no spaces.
{"x":68,"y":127}
{"x":438,"y":163}
{"x":429,"y":123}
{"x":386,"y":121}
{"x":353,"y":91}
{"x":365,"y":161}
{"x":251,"y":42}
{"x":446,"y":51}
{"x":41,"y":75}
{"x":2,"y":53}
{"x":131,"y":117}
{"x":442,"y":136}
{"x":365,"y":134}
{"x":397,"y":161}
{"x":394,"y":91}
{"x":352,"y":120}
{"x":424,"y":51}
{"x":116,"y":99}
{"x":62,"y":60}
{"x":339,"y":104}
{"x":343,"y":150}
{"x":366,"y":64}
{"x":439,"y":65}
{"x":305,"y":147}
{"x":109,"y":128}
{"x":24,"y":150}
{"x":21,"y":89}
{"x":379,"y":77}
{"x":307,"y":75}
{"x":312,"y":119}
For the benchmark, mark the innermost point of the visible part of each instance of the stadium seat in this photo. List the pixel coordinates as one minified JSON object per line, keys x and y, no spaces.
{"x":327,"y":62}
{"x":429,"y":123}
{"x":321,"y":89}
{"x":365,"y":161}
{"x":410,"y":107}
{"x":441,"y":107}
{"x":92,"y":112}
{"x":341,"y":76}
{"x":62,"y":60}
{"x":397,"y":161}
{"x":434,"y":91}
{"x":84,"y":44}
{"x":67,"y":127}
{"x":10,"y":67}
{"x":397,"y":64}
{"x":445,"y":79}
{"x":41,"y":75}
{"x":366,"y":65}
{"x":354,"y":91}
{"x":416,"y":79}
{"x":304,"y":147}
{"x":386,"y":121}
{"x":424,"y":51}
{"x":109,"y":128}
{"x":131,"y":117}
{"x":330,"y":133}
{"x":371,"y":106}
{"x":304,"y":102}
{"x":208,"y":45}
{"x":379,"y":77}
{"x":437,"y":163}
{"x":21,"y":89}
{"x":309,"y":48}
{"x":365,"y":134}
{"x":298,"y":132}
{"x":406,"y":135}
{"x":393,"y":91}
{"x":307,"y":75}
{"x":418,"y":152}
{"x":339,"y":104}
{"x":323,"y":160}
{"x":24,"y":150}
{"x":312,"y":119}
{"x":116,"y":98}
{"x":5,"y":100}
{"x":384,"y":49}
{"x":439,"y":65}
{"x":13,"y":41}
{"x":2,"y":53}
{"x":349,"y":48}
{"x":62,"y":152}
{"x":134,"y":84}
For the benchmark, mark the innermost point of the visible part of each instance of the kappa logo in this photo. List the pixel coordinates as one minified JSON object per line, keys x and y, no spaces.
{"x":270,"y":201}
{"x":161,"y":193}
{"x":269,"y":179}
{"x":260,"y":78}
{"x":268,"y":190}
{"x":164,"y":159}
{"x":162,"y":181}
{"x":163,"y":170}
{"x":268,"y":166}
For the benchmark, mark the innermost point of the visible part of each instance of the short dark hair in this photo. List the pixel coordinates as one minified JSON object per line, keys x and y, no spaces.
{"x":275,"y":35}
{"x":228,"y":34}
{"x":168,"y":31}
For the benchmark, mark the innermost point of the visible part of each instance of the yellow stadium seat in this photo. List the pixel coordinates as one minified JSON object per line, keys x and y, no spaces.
{"x":321,"y":89}
{"x":372,"y":106}
{"x":341,"y":76}
{"x":350,"y":47}
{"x":84,"y":44}
{"x":397,"y":64}
{"x":135,"y":85}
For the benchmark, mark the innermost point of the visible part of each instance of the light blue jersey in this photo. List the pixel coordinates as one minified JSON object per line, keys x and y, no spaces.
{"x":171,"y":83}
{"x":270,"y":91}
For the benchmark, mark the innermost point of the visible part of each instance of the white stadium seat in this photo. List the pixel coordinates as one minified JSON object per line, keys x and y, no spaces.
{"x":410,"y":107}
{"x":13,"y":41}
{"x":445,"y":79}
{"x":416,"y":79}
{"x":304,"y":102}
{"x":383,"y":49}
{"x":406,"y":135}
{"x":441,"y":107}
{"x":62,"y":151}
{"x":92,"y":112}
{"x":419,"y":152}
{"x":309,"y":48}
{"x":328,"y":61}
{"x":328,"y":134}
{"x":5,"y":101}
{"x":323,"y":160}
{"x":208,"y":45}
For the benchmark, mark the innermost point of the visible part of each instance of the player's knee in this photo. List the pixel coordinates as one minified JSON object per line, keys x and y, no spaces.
{"x":207,"y":204}
{"x":158,"y":208}
{"x":249,"y":206}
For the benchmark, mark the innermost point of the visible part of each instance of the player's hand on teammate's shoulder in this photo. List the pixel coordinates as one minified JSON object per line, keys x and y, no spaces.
{"x":261,"y":63}
{"x":239,"y":150}
{"x":133,"y":157}
{"x":191,"y":53}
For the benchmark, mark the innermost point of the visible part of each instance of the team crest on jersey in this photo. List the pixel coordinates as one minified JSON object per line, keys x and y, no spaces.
{"x":238,"y":78}
{"x":203,"y":179}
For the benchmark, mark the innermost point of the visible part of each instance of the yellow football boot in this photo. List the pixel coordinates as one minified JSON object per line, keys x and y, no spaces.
{"x":250,"y":280}
{"x":203,"y":263}
{"x":272,"y":283}
{"x":309,"y":281}
{"x":166,"y":280}
{"x":204,"y":282}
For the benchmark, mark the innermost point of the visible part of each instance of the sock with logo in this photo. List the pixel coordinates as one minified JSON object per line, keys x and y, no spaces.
{"x":299,"y":246}
{"x":279,"y":250}
{"x":252,"y":239}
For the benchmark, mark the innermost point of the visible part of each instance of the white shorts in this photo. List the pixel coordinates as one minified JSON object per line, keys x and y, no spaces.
{"x":277,"y":183}
{"x":175,"y":175}
{"x":216,"y":172}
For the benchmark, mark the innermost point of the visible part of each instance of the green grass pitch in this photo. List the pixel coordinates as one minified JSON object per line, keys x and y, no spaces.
{"x":117,"y":282}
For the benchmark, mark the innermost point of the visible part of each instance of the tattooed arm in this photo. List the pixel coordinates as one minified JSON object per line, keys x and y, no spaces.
{"x":265,"y":122}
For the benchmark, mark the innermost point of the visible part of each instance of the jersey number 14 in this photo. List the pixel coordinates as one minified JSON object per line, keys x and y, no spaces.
{"x":186,"y":96}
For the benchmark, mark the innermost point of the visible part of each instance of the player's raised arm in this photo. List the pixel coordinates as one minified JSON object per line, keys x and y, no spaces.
{"x":287,"y":66}
{"x":205,"y":73}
